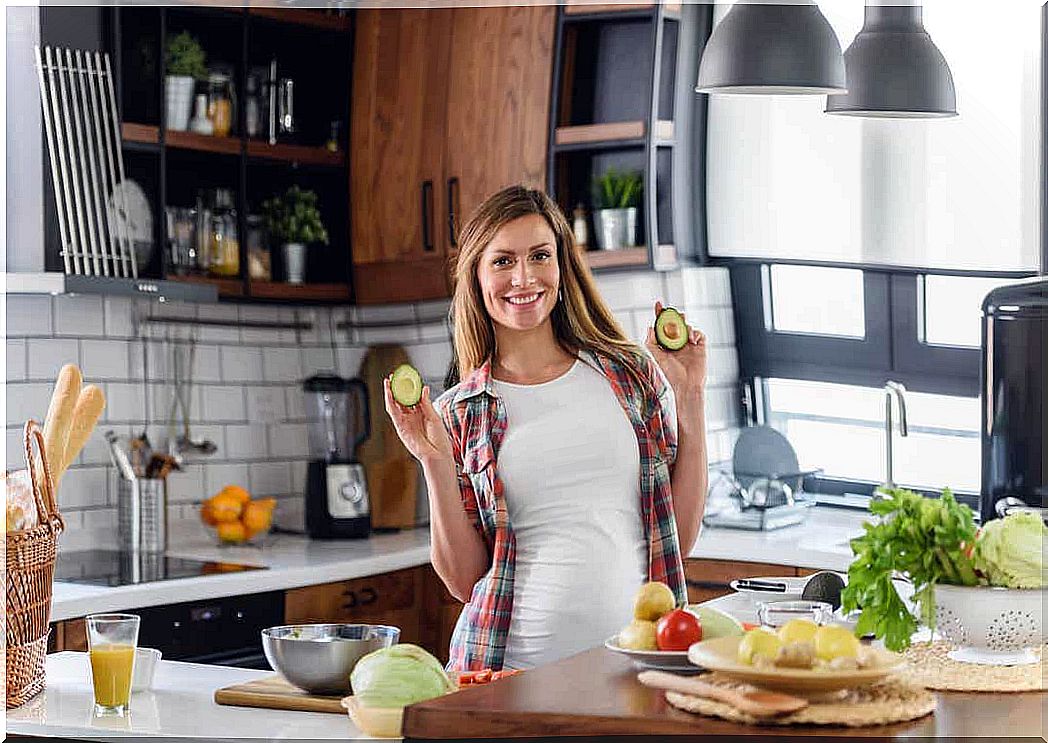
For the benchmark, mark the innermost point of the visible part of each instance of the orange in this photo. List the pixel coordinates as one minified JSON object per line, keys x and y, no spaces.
{"x":232,"y":531}
{"x":236,"y":492}
{"x":206,"y":514}
{"x":225,"y":509}
{"x":268,"y":503}
{"x":257,"y":518}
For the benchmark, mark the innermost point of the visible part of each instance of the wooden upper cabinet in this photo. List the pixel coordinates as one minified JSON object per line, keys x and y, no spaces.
{"x":400,"y":71}
{"x":498,"y":103}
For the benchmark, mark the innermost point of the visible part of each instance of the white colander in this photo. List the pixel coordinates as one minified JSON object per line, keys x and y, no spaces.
{"x":991,"y":626}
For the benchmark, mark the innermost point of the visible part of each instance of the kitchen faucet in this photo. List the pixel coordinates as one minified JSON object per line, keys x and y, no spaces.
{"x":898,"y":391}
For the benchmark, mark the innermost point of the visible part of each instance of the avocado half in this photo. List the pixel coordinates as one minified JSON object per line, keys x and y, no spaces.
{"x":406,"y":385}
{"x":670,"y":329}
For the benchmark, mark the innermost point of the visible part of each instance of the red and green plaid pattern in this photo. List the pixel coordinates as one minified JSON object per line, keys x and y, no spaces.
{"x":476,"y":421}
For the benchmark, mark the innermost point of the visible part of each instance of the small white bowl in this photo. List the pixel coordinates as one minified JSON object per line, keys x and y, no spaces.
{"x":146,"y":660}
{"x":992,"y":626}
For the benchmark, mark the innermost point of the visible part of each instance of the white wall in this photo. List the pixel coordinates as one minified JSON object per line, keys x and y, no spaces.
{"x":241,"y":372}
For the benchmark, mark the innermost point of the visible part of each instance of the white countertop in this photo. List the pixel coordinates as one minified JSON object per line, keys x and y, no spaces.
{"x":295,"y":561}
{"x":180,"y":704}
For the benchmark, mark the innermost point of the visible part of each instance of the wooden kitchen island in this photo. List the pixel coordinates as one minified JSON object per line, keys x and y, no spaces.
{"x":596,"y":693}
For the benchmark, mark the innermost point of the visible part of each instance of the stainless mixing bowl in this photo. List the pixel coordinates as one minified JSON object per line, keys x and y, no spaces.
{"x":318,"y":658}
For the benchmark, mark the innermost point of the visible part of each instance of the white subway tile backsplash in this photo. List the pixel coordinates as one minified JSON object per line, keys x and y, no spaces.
{"x":245,"y":442}
{"x":48,"y":356}
{"x":296,"y":403}
{"x":28,"y":315}
{"x":217,"y":476}
{"x":219,"y":334}
{"x":624,"y":291}
{"x":83,"y":487}
{"x":221,"y":403}
{"x":79,"y":316}
{"x":350,"y":360}
{"x":673,"y":289}
{"x":721,"y":408}
{"x":16,"y":360}
{"x":206,"y":432}
{"x":270,"y":478}
{"x":431,"y":359}
{"x":317,"y":359}
{"x":241,"y":364}
{"x":119,"y":317}
{"x":187,"y":486}
{"x":14,"y":456}
{"x":404,"y":313}
{"x":288,"y":440}
{"x":96,"y":450}
{"x":104,"y":359}
{"x":207,"y":365}
{"x":125,"y":402}
{"x":25,"y":401}
{"x":722,"y":364}
{"x":265,"y":404}
{"x":706,"y":287}
{"x":717,"y":324}
{"x":282,"y":364}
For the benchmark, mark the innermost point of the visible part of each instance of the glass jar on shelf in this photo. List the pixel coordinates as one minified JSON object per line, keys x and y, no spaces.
{"x":224,"y":249}
{"x":221,"y":102}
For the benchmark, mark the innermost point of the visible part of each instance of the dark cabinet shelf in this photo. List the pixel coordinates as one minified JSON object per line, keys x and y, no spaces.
{"x":226,"y":287}
{"x":625,"y":258}
{"x":202,"y":142}
{"x":299,"y":292}
{"x":140,"y":133}
{"x":303,"y":17}
{"x":620,"y":133}
{"x":296,"y":154}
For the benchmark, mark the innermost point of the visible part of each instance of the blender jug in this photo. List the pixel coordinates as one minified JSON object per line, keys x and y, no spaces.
{"x":336,"y":416}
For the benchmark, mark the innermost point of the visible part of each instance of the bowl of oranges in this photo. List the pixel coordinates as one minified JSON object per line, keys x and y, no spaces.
{"x":235,"y":517}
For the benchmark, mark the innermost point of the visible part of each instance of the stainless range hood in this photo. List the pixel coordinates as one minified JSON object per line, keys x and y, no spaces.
{"x":53,"y":282}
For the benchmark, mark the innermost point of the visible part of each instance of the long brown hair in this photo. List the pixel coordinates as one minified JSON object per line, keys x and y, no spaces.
{"x":581,"y":319}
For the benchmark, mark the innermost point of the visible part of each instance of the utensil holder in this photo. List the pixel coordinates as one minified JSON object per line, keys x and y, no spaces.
{"x":142,"y":515}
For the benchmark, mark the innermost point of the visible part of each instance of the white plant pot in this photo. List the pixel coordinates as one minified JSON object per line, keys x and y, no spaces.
{"x":178,"y":98}
{"x":295,"y":262}
{"x":616,"y":228}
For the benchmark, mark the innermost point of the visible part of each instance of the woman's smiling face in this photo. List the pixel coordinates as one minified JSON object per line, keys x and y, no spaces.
{"x":518,"y":274}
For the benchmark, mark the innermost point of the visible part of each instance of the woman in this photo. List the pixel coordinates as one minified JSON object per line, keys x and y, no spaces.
{"x":562,"y":470}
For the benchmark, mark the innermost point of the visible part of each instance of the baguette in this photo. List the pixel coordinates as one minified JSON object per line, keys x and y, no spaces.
{"x":89,"y":406}
{"x":60,"y":415}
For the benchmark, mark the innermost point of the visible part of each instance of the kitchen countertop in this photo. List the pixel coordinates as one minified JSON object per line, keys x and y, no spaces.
{"x":180,"y":704}
{"x":295,"y":561}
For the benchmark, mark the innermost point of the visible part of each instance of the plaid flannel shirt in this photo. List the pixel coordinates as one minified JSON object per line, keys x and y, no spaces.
{"x":476,"y":421}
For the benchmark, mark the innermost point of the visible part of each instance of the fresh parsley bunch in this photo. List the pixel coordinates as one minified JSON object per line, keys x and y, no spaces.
{"x":925,"y":539}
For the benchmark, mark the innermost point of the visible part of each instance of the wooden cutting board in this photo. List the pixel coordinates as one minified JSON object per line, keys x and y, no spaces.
{"x":273,"y":692}
{"x":391,"y":471}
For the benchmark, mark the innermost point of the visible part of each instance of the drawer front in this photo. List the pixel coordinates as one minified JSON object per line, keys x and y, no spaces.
{"x":359,"y":600}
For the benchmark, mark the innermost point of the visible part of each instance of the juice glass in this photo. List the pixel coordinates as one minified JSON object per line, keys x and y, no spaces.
{"x":111,"y":639}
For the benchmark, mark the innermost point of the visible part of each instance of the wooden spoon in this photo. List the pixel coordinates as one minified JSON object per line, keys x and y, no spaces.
{"x":755,"y":703}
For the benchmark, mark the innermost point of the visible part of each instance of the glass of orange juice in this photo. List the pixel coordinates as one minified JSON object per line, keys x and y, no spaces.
{"x":112,"y":639}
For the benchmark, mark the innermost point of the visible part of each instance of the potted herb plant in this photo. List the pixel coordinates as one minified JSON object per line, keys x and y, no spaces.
{"x":294,"y":220}
{"x":616,"y":196}
{"x":185,"y":63}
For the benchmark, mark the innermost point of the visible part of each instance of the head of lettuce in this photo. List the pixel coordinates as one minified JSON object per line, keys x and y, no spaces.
{"x":1010,"y":551}
{"x":398,"y":676}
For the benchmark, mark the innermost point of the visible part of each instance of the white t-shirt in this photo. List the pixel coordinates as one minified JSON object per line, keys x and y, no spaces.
{"x":570,"y":469}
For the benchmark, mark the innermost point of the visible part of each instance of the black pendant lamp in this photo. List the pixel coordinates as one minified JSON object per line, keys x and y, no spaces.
{"x":761,"y":49}
{"x":895,"y":71}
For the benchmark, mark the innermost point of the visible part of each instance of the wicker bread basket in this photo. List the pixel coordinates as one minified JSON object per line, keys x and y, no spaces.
{"x":30,"y":557}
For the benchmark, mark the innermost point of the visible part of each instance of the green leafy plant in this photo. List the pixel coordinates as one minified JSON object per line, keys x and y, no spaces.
{"x":184,"y":56}
{"x":294,"y":217}
{"x":928,"y":541}
{"x":618,"y":190}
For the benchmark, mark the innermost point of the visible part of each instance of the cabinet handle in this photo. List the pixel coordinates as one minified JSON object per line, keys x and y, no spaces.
{"x":707,"y":585}
{"x":368,"y":596}
{"x":452,"y":211}
{"x":351,"y":600}
{"x":427,"y":216}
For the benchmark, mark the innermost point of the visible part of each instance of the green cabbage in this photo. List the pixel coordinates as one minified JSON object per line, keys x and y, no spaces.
{"x":1010,"y":551}
{"x":397,"y":676}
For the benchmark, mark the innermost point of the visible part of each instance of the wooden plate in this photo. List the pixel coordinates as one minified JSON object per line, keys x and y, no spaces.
{"x":721,"y":655}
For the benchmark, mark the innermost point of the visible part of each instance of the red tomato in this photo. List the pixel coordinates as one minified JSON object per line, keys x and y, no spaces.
{"x":677,"y":630}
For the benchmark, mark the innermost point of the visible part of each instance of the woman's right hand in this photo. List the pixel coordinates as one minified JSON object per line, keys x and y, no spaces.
{"x":419,"y":427}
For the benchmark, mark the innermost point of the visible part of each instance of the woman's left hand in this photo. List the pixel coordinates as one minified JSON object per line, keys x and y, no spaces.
{"x":684,"y":369}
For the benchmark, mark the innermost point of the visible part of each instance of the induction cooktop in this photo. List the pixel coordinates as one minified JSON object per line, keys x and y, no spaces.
{"x":114,"y":568}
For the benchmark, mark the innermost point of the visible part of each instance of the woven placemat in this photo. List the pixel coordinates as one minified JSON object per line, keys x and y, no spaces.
{"x":879,"y":704}
{"x":928,"y":666}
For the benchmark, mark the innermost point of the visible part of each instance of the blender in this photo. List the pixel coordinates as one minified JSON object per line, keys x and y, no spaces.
{"x":337,"y":415}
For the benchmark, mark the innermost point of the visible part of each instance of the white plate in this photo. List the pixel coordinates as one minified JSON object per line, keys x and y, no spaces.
{"x":794,"y":588}
{"x":658,"y":660}
{"x":137,"y":220}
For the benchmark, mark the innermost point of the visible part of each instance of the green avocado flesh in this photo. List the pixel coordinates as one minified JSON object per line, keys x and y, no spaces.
{"x":670,"y":330}
{"x":406,"y":385}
